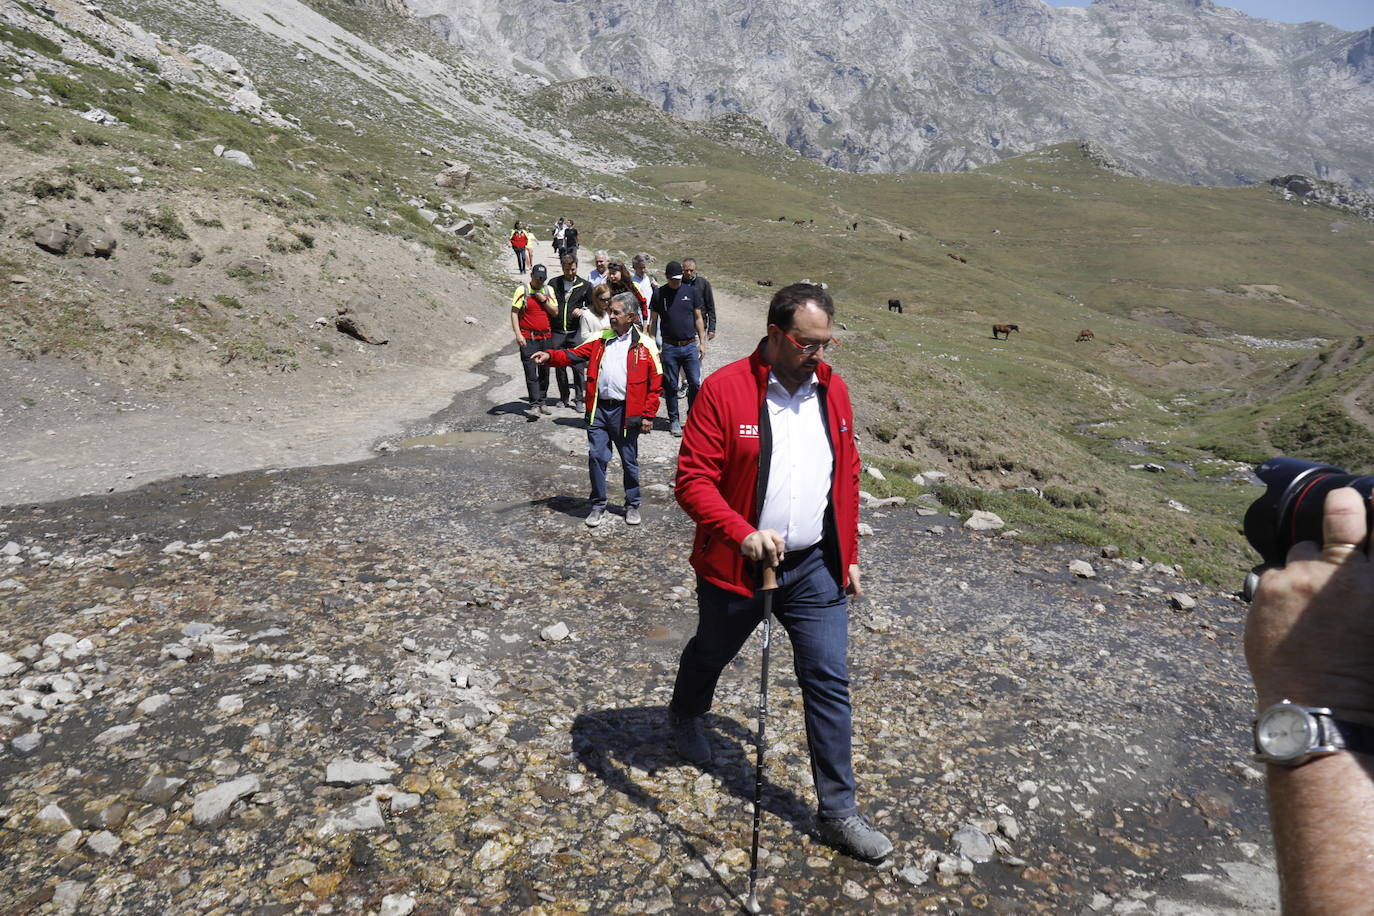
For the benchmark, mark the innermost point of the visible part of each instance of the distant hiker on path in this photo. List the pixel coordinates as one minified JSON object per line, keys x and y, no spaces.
{"x":778,"y":486}
{"x":530,"y":310}
{"x":569,"y":239}
{"x":624,"y":381}
{"x":708,"y":297}
{"x":559,"y":230}
{"x":678,"y":308}
{"x":520,"y":241}
{"x":573,"y":294}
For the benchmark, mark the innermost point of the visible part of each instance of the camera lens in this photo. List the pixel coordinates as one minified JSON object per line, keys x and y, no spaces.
{"x":1290,"y":510}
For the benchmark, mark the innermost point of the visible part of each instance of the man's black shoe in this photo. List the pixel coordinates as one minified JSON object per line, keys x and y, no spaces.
{"x":690,"y":738}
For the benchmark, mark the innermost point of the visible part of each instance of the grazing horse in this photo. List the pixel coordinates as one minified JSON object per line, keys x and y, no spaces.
{"x":765,"y":282}
{"x":894,"y":305}
{"x":1003,"y":331}
{"x":1083,"y":335}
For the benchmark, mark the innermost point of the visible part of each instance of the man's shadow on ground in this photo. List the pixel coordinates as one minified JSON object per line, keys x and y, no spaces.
{"x":610,"y":742}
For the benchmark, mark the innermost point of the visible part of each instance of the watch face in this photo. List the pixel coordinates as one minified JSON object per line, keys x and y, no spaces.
{"x":1285,"y":732}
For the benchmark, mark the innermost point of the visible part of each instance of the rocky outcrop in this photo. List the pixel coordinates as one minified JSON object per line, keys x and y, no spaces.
{"x":1181,"y":90}
{"x":1328,"y":193}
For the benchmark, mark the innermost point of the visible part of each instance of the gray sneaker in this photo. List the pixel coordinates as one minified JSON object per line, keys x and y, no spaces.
{"x":676,"y":429}
{"x":690,"y":739}
{"x":853,"y":836}
{"x":632,"y":515}
{"x":594,"y":517}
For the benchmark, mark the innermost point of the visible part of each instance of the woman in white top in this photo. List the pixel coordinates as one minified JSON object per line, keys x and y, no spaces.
{"x":591,"y":322}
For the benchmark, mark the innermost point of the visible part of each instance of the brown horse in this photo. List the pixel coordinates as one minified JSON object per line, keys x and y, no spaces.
{"x":1083,"y":335}
{"x":1003,"y":331}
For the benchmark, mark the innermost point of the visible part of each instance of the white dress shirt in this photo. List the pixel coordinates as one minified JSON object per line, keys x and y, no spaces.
{"x":610,"y":381}
{"x":801,"y":466}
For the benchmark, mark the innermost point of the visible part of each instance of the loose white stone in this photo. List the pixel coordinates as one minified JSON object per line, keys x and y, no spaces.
{"x":103,"y":842}
{"x":211,"y":807}
{"x":153,"y":705}
{"x":363,"y":814}
{"x":344,"y":772}
{"x":1083,"y":569}
{"x":1182,"y":602}
{"x":27,"y":743}
{"x":52,"y":819}
{"x":554,"y":632}
{"x":979,"y":520}
{"x":397,"y":905}
{"x":230,"y":704}
{"x":404,"y":801}
{"x":117,"y":733}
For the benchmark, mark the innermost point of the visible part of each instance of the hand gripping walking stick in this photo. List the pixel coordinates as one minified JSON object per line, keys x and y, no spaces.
{"x":770,"y":585}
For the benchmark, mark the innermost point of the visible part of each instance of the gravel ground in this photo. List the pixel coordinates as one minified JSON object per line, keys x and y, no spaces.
{"x":417,"y":683}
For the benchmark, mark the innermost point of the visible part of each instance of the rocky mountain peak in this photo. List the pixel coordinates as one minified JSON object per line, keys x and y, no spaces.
{"x":1181,"y":89}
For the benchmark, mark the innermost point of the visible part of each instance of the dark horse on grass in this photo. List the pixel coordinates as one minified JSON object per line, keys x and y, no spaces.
{"x":1003,"y":331}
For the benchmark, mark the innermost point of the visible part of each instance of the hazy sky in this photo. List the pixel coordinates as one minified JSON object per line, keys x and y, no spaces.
{"x":1354,"y":15}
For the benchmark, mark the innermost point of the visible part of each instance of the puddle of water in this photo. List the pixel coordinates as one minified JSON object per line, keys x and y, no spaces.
{"x":456,"y":439}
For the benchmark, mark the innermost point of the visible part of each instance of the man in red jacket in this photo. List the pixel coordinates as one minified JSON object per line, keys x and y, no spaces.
{"x":769,"y":471}
{"x":624,"y":381}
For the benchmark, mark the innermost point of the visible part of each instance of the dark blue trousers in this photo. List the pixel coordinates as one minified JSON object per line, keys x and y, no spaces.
{"x":814,"y":609}
{"x":677,"y":359}
{"x":608,"y":429}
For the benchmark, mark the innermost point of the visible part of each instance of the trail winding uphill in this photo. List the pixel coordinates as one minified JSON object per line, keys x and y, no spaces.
{"x":419,"y":676}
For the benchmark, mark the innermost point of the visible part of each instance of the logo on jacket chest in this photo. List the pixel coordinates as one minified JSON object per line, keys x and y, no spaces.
{"x":748,"y":431}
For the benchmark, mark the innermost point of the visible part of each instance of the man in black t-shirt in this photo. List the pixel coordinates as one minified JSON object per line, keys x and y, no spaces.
{"x":574,"y":295}
{"x":677,"y":308}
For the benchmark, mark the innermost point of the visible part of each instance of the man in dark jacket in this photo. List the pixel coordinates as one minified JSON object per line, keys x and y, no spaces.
{"x":574,"y":294}
{"x":769,"y":471}
{"x":703,"y":288}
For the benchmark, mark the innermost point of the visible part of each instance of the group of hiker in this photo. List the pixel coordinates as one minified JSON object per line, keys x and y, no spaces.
{"x":616,"y":342}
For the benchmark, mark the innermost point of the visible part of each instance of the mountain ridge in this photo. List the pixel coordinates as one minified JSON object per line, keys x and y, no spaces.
{"x":1182,"y":90}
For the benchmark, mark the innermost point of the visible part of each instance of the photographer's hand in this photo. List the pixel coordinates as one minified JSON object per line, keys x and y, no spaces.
{"x":1310,"y":636}
{"x":1310,"y":639}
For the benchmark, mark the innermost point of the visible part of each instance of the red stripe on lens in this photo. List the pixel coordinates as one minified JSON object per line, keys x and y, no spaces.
{"x":1297,"y":506}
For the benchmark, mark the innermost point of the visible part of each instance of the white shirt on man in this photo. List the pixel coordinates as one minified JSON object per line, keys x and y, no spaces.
{"x":596,"y":277}
{"x":799,"y":473}
{"x":645,"y":285}
{"x":610,"y":381}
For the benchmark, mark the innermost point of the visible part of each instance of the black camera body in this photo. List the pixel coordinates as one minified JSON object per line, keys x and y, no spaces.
{"x":1290,"y":511}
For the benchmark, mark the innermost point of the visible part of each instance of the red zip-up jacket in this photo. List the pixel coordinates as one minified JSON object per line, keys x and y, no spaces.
{"x":721,"y":477}
{"x":643,"y":373}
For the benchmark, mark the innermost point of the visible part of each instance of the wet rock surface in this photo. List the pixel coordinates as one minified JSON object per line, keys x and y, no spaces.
{"x":420,"y":684}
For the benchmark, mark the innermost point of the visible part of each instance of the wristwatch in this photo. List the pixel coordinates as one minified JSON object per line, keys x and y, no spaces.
{"x":1289,"y":735}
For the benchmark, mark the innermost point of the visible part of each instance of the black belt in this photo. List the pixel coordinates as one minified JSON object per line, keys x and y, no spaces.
{"x":680,"y":343}
{"x":609,"y":402}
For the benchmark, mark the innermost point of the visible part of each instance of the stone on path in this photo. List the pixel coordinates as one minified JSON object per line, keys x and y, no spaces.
{"x":1182,"y":602}
{"x":52,"y":819}
{"x":104,"y":842}
{"x":159,"y":789}
{"x":342,"y":772}
{"x":153,"y":705}
{"x":1083,"y":569}
{"x":117,"y":733}
{"x":974,"y":844}
{"x":397,"y":905}
{"x":354,"y":817}
{"x":211,"y":807}
{"x":984,"y":521}
{"x":554,"y":632}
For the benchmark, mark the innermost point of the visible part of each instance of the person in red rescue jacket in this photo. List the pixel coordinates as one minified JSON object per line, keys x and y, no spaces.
{"x":769,"y":471}
{"x":624,"y":383}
